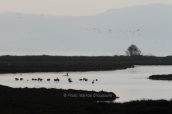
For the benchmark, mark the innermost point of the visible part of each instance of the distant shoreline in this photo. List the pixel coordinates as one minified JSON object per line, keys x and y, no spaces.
{"x":45,"y":63}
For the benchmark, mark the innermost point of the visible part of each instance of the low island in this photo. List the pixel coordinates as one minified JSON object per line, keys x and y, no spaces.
{"x":161,"y":77}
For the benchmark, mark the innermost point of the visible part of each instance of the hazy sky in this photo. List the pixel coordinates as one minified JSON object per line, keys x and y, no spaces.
{"x":70,"y":7}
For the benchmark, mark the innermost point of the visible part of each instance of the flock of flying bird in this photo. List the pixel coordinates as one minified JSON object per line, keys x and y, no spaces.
{"x":98,"y":30}
{"x":56,"y":79}
{"x":126,"y":32}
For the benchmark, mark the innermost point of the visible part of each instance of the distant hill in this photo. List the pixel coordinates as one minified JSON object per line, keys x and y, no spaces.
{"x":148,"y":26}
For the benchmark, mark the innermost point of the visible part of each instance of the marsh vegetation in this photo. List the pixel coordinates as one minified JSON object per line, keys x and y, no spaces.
{"x":45,"y":63}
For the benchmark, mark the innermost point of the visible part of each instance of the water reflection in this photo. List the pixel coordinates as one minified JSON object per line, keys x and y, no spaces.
{"x":128,"y":84}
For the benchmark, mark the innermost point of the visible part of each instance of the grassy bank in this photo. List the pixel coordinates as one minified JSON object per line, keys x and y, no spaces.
{"x":15,"y":64}
{"x":26,"y":96}
{"x":53,"y":101}
{"x":133,"y":107}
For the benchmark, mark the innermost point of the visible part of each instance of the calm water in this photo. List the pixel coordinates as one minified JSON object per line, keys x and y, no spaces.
{"x":128,"y":84}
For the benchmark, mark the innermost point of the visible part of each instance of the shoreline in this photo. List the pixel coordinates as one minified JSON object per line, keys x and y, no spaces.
{"x":27,"y":95}
{"x":45,"y":63}
{"x":50,"y":101}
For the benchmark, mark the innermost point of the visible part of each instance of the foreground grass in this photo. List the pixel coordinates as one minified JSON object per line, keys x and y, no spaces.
{"x":132,"y":107}
{"x":52,"y":101}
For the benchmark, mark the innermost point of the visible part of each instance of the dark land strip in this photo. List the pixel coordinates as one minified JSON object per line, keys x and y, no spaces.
{"x":45,"y":63}
{"x":161,"y":77}
{"x":22,"y":96}
{"x":58,"y":101}
{"x":17,"y":100}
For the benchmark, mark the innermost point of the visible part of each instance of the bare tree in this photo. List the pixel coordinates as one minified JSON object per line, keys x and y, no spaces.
{"x":133,"y":50}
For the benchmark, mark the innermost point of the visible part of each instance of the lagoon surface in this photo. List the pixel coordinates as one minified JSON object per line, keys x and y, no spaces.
{"x":129,"y":84}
